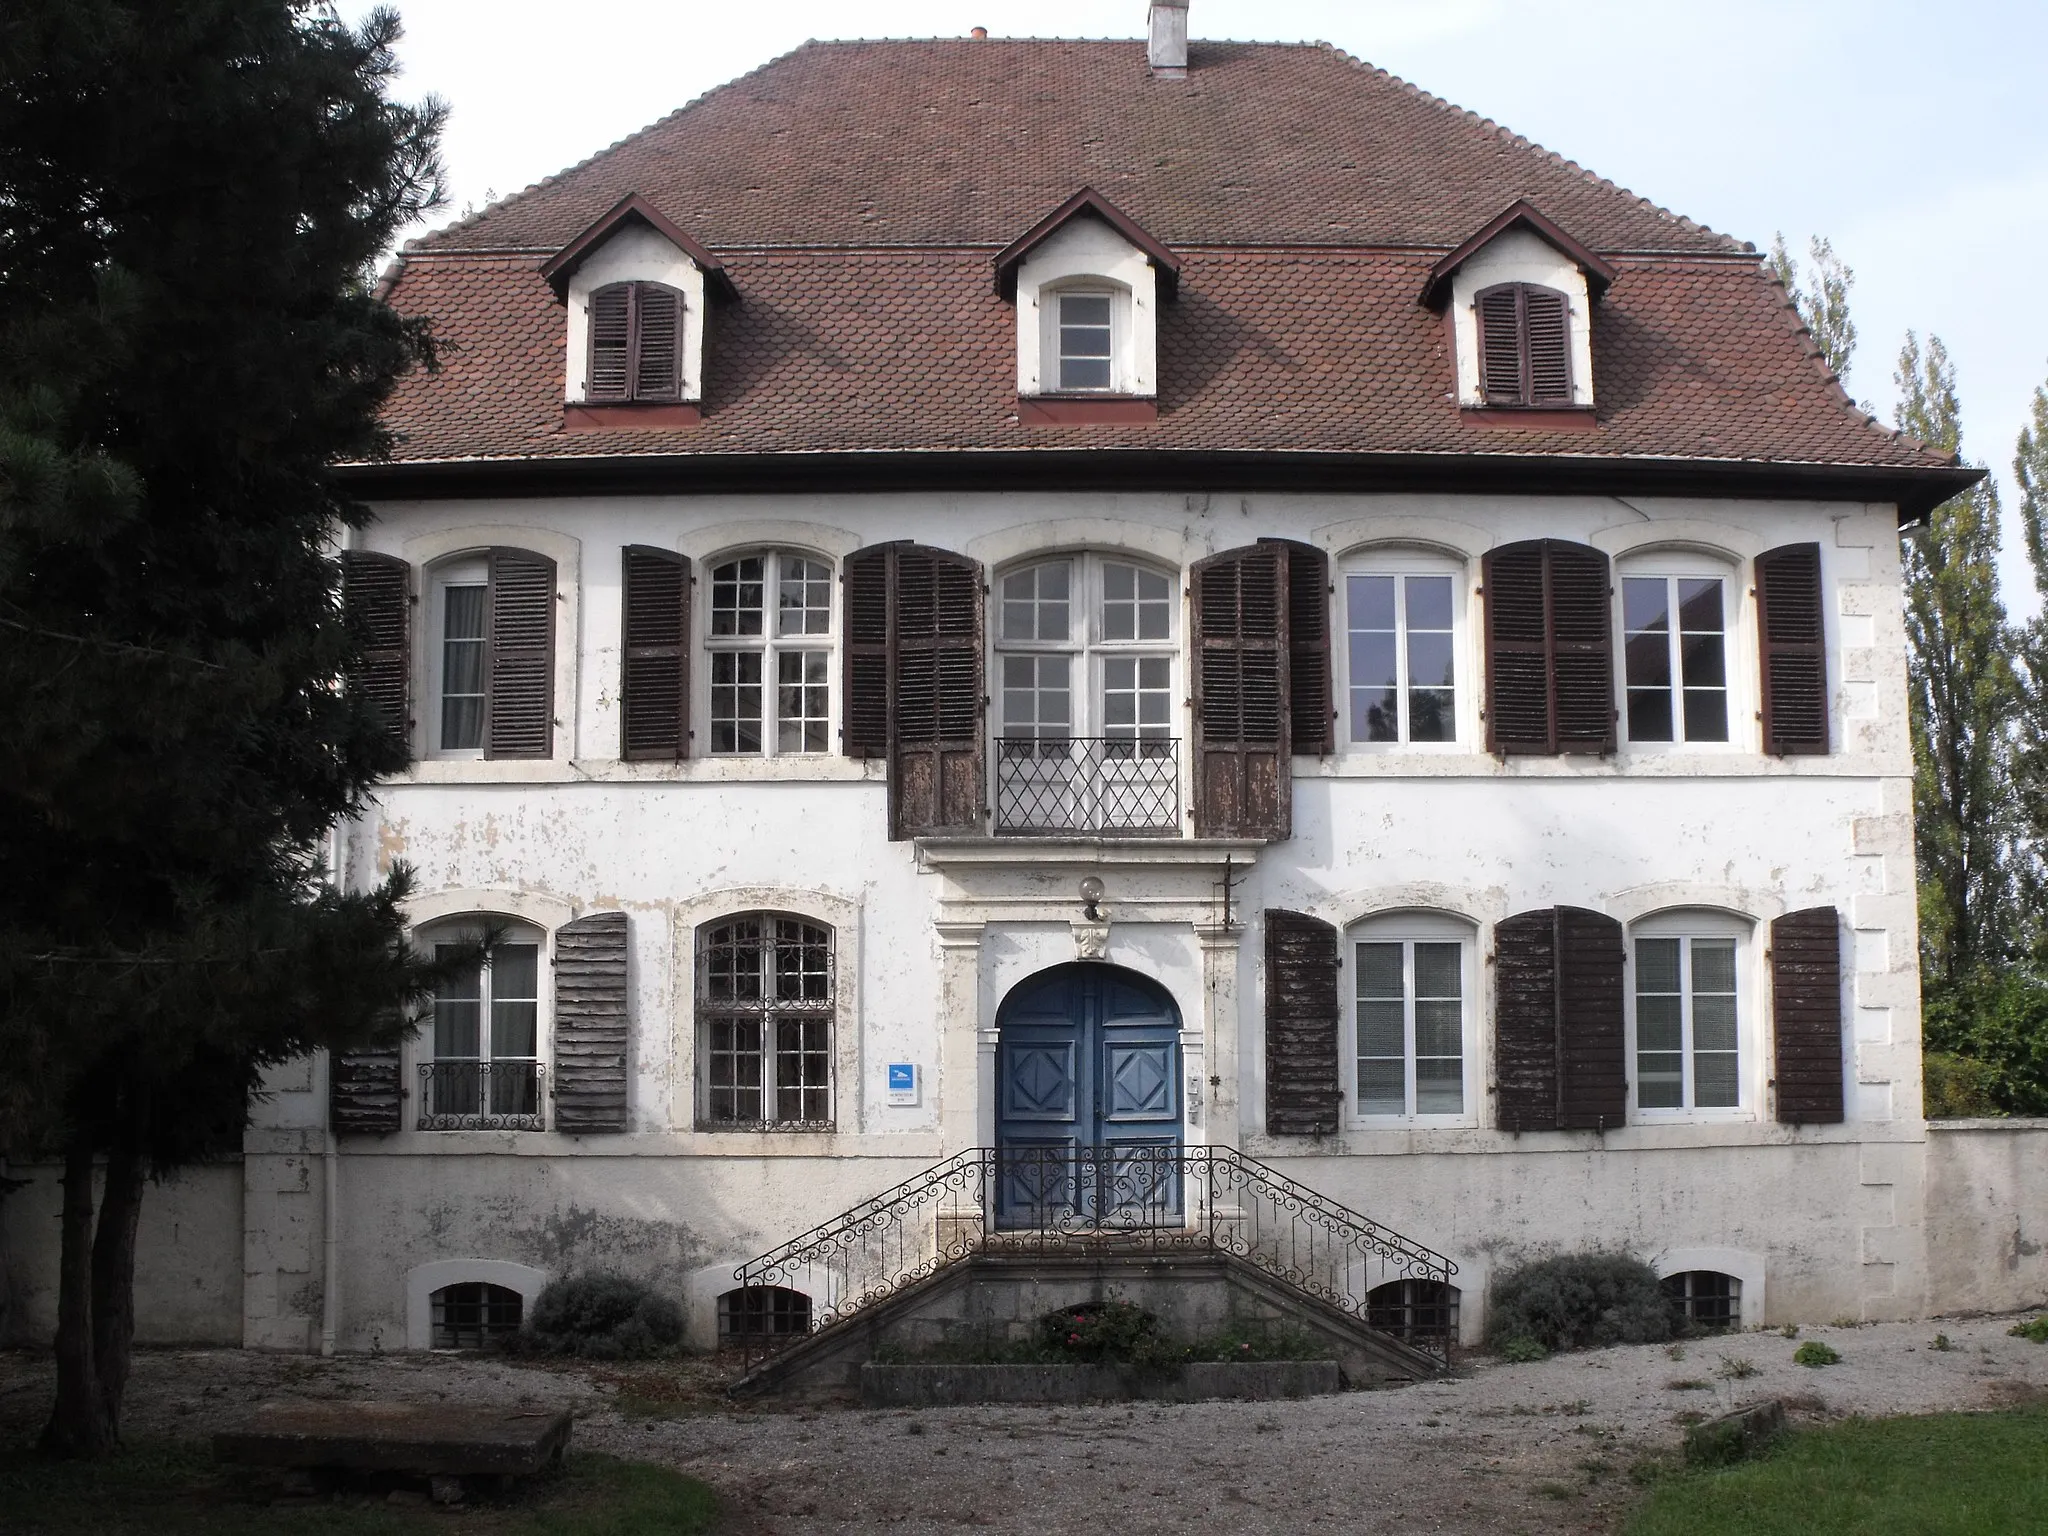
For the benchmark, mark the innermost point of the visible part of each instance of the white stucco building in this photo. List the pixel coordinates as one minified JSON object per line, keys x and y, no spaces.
{"x":924,"y":477}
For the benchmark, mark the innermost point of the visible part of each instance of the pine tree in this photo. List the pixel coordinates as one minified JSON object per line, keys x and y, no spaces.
{"x":1963,"y":696}
{"x":191,"y":198}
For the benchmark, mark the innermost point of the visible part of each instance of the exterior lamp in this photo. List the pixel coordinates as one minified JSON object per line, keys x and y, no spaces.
{"x":1091,"y":894}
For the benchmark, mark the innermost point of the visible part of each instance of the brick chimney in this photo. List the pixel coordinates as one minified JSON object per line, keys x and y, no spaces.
{"x":1167,"y":39}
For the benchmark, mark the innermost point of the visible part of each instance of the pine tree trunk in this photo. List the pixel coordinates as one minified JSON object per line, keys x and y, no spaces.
{"x":113,"y":1282}
{"x":78,"y":1424}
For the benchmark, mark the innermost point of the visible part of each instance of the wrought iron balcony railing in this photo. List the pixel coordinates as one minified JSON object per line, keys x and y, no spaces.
{"x":480,"y":1096}
{"x":1118,"y":784}
{"x":1067,"y":1202}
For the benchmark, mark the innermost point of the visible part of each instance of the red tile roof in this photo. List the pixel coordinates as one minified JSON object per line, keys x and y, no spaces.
{"x":857,"y":193}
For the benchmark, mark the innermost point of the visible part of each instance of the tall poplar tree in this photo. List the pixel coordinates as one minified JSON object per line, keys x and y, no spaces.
{"x":191,"y":198}
{"x":1823,"y":302}
{"x":2030,"y":473}
{"x":1963,"y":696}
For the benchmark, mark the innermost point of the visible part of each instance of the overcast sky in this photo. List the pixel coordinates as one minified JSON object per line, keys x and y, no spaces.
{"x":1910,"y":132}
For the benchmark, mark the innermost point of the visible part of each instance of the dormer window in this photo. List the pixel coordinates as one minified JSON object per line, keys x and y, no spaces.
{"x":1519,"y":297}
{"x":636,"y":333}
{"x":1085,"y":352}
{"x":635,"y":289}
{"x":1087,"y":283}
{"x":1525,"y":345}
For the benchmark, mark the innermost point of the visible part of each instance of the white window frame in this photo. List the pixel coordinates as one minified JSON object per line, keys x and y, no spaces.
{"x":704,"y":1011}
{"x":1407,"y":928}
{"x":1086,"y":642}
{"x":1710,"y":924}
{"x":459,"y":571}
{"x":1737,"y":649}
{"x":1399,"y":563}
{"x":421,"y":1050}
{"x":1122,"y":372}
{"x":769,"y":645}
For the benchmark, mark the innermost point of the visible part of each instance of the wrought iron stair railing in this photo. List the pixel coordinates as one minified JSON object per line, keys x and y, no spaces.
{"x":1057,"y":1201}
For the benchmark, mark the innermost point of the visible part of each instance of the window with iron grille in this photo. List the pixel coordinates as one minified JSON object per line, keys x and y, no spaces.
{"x":1415,"y":1310}
{"x":765,"y":1015}
{"x":475,"y":1315}
{"x":1705,"y":1298}
{"x":763,"y":1312}
{"x":770,"y":638}
{"x":482,"y":1069}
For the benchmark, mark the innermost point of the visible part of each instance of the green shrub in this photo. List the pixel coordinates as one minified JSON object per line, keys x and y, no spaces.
{"x":1113,"y":1331}
{"x":1991,"y":1035}
{"x":2035,"y":1329}
{"x":601,"y":1316}
{"x":1580,"y":1301}
{"x":1523,"y":1350}
{"x":1816,"y":1354}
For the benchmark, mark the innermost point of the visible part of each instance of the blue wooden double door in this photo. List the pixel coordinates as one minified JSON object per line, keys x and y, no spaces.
{"x":1088,"y":1101}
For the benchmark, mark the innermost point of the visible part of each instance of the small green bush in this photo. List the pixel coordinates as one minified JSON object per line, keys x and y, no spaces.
{"x":1523,"y":1350}
{"x":1112,"y":1331}
{"x":1580,"y":1301}
{"x":2035,"y":1329}
{"x":1816,"y":1354}
{"x":601,"y":1316}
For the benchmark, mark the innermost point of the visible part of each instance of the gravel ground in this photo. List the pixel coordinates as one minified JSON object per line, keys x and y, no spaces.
{"x":1540,"y":1448}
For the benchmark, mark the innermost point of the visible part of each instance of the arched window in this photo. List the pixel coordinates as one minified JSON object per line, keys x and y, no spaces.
{"x":765,"y":1014}
{"x":1418,"y":1311}
{"x":1086,"y":659}
{"x":763,"y":1312}
{"x":475,"y":1315}
{"x":1413,"y":990}
{"x":1525,"y":345}
{"x":636,"y":342}
{"x":770,"y":639}
{"x":1705,"y":1298}
{"x":1676,"y":622}
{"x":1404,"y":614}
{"x":482,"y":1068}
{"x":1689,"y":1013}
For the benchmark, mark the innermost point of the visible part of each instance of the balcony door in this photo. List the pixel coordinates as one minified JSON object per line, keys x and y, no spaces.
{"x":1088,"y":1102}
{"x":1085,"y":661}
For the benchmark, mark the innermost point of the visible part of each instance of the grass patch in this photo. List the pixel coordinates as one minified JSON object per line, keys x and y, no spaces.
{"x":176,"y":1489}
{"x":1951,"y":1474}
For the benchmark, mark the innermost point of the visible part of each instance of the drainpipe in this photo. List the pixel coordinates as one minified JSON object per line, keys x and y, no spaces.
{"x":330,"y":1245}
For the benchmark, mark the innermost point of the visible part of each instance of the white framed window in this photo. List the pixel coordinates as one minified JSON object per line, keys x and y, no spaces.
{"x":765,"y":1021}
{"x":1411,"y":985}
{"x":1691,"y":1040}
{"x":480,"y":1064}
{"x":1678,"y":627}
{"x":768,"y":635}
{"x":1404,"y":621}
{"x":1085,"y":354}
{"x":457,"y":657}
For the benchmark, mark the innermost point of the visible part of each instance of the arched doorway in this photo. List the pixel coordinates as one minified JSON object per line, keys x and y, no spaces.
{"x":1088,"y":1100}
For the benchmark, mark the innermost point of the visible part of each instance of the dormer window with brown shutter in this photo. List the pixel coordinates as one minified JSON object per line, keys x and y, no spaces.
{"x":636,"y":333}
{"x":1525,"y":354}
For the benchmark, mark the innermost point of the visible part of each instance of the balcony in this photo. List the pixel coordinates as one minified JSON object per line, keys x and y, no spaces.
{"x":1060,"y":786}
{"x":480,"y":1096}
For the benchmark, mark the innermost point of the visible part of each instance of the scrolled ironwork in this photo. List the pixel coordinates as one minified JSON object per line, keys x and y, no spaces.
{"x":481,"y":1096}
{"x":1067,"y":1201}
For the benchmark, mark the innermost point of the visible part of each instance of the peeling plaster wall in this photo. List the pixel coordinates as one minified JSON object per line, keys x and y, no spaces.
{"x":188,"y":1268}
{"x":928,"y":944}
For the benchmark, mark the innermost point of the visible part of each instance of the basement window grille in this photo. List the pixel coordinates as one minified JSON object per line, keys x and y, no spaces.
{"x":475,"y":1315}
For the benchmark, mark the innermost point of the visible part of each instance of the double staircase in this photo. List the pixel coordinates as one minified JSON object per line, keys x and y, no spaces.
{"x":918,"y":1263}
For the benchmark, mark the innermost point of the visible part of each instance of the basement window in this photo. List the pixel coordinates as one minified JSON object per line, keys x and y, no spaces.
{"x":763,"y":1312}
{"x":475,"y":1315}
{"x":1414,"y":1311}
{"x":1705,"y":1299}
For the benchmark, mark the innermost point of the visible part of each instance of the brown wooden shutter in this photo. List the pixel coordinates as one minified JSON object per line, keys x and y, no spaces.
{"x":1547,"y":317}
{"x":1242,"y":668}
{"x":520,"y":704}
{"x":654,"y":685}
{"x":376,"y":604}
{"x":1500,"y":345}
{"x":1806,"y":1015}
{"x":1302,"y":1087}
{"x":1592,"y":1046}
{"x":864,"y":662}
{"x":611,"y":332}
{"x":1311,"y":709}
{"x":935,"y":777}
{"x":364,"y":1094}
{"x":657,"y":342}
{"x":1549,"y":649}
{"x":1793,"y":650}
{"x":591,"y":1016}
{"x":1525,"y":1021}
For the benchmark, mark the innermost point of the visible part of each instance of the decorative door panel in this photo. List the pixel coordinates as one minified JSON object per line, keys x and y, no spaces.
{"x":1094,"y":1050}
